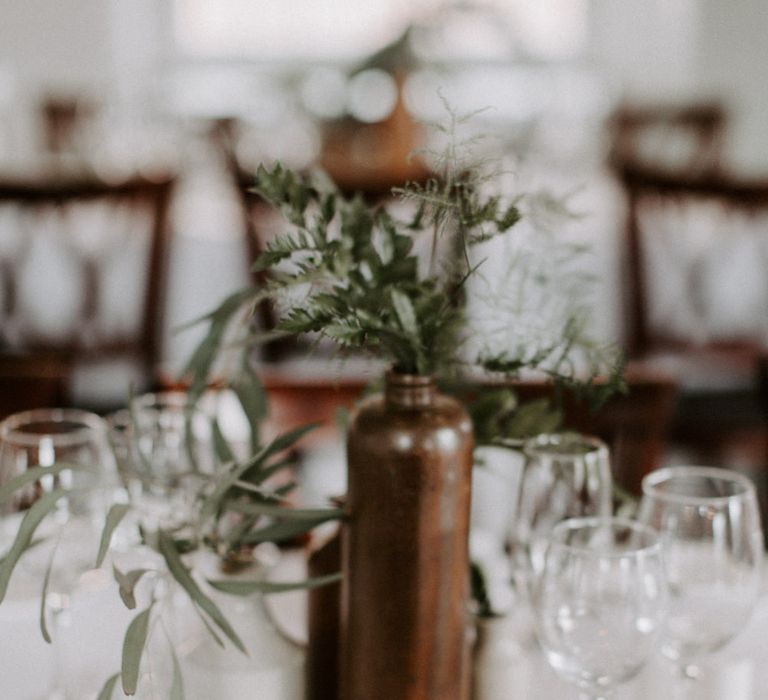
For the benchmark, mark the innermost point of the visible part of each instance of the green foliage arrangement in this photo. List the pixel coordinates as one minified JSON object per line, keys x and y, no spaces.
{"x":371,"y":280}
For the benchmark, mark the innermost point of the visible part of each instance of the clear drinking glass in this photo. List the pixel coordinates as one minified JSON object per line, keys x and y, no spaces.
{"x":164,"y":447}
{"x":68,"y":537}
{"x":709,"y":523}
{"x":565,"y":476}
{"x":46,"y":436}
{"x":600,"y":602}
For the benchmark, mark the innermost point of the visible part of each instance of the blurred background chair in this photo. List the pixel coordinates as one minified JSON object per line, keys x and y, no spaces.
{"x":685,"y":137}
{"x":696,"y":248}
{"x":83,"y":268}
{"x":31,"y":381}
{"x":64,"y":121}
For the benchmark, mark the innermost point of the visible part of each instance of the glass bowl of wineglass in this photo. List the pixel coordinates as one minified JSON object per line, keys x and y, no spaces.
{"x":600,"y":602}
{"x":709,"y":523}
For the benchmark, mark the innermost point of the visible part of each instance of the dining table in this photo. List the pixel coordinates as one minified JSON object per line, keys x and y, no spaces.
{"x":510,"y":666}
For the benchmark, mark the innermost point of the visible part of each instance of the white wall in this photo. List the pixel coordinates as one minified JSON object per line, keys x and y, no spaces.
{"x":105,"y":49}
{"x":683,"y":49}
{"x":733,"y":62}
{"x":646,"y":49}
{"x":62,"y":45}
{"x":652,"y":49}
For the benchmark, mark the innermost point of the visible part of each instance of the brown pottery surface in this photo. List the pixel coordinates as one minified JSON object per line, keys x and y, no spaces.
{"x":404,"y":604}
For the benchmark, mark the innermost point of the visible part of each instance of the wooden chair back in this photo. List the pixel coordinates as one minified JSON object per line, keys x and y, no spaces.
{"x":95,"y":253}
{"x":684,"y":137}
{"x":690,"y":245}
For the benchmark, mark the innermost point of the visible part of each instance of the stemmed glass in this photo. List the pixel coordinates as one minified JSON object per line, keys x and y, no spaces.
{"x":565,"y":475}
{"x":44,"y":438}
{"x":600,"y":602}
{"x":163,"y":446}
{"x":709,"y":523}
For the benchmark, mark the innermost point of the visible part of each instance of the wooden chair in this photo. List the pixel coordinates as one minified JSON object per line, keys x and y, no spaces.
{"x":685,"y":137}
{"x":64,"y":120}
{"x":691,"y":307}
{"x":31,"y":381}
{"x":96,"y":252}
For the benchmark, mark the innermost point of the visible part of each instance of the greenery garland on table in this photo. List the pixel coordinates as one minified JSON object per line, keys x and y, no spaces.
{"x":367,"y":280}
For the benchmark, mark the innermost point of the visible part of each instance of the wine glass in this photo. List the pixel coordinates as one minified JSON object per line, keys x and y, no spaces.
{"x":565,"y":475}
{"x":600,"y":601}
{"x":709,"y":523}
{"x":48,"y":438}
{"x":163,"y":447}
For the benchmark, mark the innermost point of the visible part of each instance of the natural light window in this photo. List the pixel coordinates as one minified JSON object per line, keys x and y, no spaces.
{"x":343,"y":30}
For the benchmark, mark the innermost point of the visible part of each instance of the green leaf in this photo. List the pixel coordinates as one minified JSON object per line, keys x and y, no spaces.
{"x":252,"y":396}
{"x":109,"y":688}
{"x":406,"y":316}
{"x":133,"y":648}
{"x":44,"y":595}
{"x":180,"y":572}
{"x":32,"y":518}
{"x":177,"y":682}
{"x":116,"y":513}
{"x":533,"y":418}
{"x":190,"y":442}
{"x":30,"y":476}
{"x":213,"y":501}
{"x":207,"y":626}
{"x":127,"y":583}
{"x":244,"y":588}
{"x":220,"y":445}
{"x":281,"y":531}
{"x":285,"y":512}
{"x":224,"y":310}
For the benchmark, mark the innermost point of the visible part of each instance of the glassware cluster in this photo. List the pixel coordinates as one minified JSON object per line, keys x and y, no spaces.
{"x":606,"y":593}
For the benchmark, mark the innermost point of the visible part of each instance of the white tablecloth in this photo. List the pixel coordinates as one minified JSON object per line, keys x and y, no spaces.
{"x":92,"y":642}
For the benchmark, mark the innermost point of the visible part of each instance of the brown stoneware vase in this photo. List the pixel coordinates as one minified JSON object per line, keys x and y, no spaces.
{"x":405,"y":562}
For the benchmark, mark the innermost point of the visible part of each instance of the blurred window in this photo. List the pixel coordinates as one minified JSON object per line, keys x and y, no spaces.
{"x":342,"y":30}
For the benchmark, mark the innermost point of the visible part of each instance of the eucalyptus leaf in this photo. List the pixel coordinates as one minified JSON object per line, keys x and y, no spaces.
{"x":167,"y":549}
{"x":44,"y":595}
{"x":177,"y":681}
{"x":245,"y":588}
{"x":220,"y":445}
{"x":30,"y":476}
{"x":190,"y":442}
{"x":207,"y":625}
{"x":133,"y":648}
{"x":108,"y":689}
{"x":281,"y":531}
{"x":225,"y":309}
{"x":257,"y":475}
{"x":260,"y":491}
{"x":213,"y":501}
{"x":32,"y":519}
{"x":285,"y":512}
{"x":115,"y":514}
{"x":127,"y":583}
{"x":252,"y":396}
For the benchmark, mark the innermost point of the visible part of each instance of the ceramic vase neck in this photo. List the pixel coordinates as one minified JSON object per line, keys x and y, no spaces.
{"x":410,"y":391}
